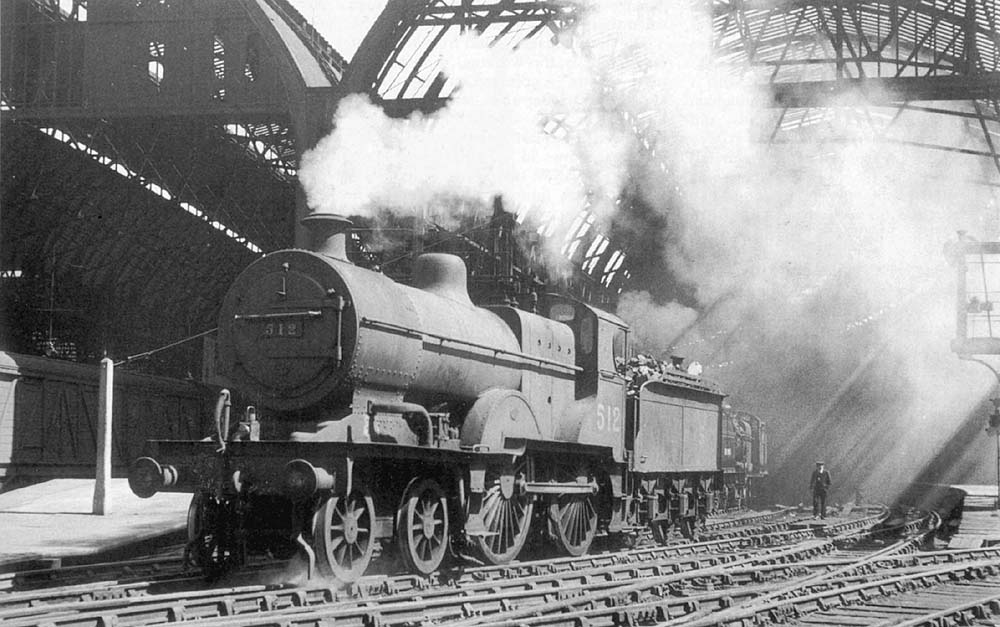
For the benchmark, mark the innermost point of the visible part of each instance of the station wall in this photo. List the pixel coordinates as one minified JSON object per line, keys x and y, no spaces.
{"x":48,"y":416}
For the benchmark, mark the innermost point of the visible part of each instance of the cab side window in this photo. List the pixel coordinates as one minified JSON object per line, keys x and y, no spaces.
{"x":618,"y":348}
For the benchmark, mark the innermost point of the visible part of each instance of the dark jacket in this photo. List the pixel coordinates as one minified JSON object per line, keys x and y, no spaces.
{"x":820,"y":481}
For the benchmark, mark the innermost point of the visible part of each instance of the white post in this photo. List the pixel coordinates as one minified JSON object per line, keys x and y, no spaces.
{"x":105,"y":399}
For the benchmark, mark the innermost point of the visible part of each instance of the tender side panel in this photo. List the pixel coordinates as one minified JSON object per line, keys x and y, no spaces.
{"x":701,"y":436}
{"x":678,"y":430}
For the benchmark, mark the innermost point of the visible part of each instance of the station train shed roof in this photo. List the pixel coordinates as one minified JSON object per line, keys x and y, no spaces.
{"x":150,"y":147}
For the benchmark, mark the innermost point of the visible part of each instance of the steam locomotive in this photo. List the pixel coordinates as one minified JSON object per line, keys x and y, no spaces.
{"x":407,"y":417}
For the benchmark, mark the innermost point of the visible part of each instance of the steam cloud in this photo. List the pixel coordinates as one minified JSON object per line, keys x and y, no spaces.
{"x":821,"y":299}
{"x":818,"y":268}
{"x":654,"y":326}
{"x":488,"y":141}
{"x":824,"y":301}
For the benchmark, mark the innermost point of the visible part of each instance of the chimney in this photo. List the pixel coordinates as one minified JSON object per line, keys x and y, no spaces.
{"x":328,"y":234}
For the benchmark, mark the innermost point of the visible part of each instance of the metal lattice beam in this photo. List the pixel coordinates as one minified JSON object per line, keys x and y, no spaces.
{"x":886,"y":91}
{"x":901,"y":53}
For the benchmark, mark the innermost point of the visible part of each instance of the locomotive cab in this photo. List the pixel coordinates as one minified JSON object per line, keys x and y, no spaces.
{"x":598,"y":414}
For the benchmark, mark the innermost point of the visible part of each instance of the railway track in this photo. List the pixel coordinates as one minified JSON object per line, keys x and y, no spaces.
{"x":465,"y":595}
{"x":470,"y":598}
{"x":107,"y":590}
{"x":168,"y":567}
{"x":925,"y":601}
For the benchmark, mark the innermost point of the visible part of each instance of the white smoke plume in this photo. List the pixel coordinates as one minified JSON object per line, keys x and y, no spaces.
{"x":826,"y":303}
{"x":820,"y":298}
{"x":491,"y":139}
{"x":654,"y":326}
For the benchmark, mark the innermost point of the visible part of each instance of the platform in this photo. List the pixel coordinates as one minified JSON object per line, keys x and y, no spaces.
{"x":980,"y":525}
{"x":979,"y":496}
{"x":51,"y":522}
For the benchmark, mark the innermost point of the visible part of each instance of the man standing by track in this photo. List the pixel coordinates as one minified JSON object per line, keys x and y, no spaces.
{"x":819,"y":483}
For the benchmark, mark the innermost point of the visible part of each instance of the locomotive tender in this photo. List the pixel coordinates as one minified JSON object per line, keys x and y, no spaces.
{"x":407,"y":416}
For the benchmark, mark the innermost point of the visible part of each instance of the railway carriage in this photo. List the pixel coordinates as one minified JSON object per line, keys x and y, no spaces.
{"x":408,"y":418}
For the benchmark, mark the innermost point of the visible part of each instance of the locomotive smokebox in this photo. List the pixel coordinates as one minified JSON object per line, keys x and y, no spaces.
{"x":328,"y":234}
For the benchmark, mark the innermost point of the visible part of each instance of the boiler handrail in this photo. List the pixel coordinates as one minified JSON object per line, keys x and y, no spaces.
{"x":444,"y":338}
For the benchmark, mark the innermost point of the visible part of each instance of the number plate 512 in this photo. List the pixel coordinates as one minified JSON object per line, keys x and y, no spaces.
{"x":282,"y":329}
{"x":609,"y":418}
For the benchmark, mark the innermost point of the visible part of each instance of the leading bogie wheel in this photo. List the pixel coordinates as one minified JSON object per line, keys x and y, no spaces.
{"x":344,"y":535}
{"x":422,"y":526}
{"x":506,"y":512}
{"x":208,"y":546}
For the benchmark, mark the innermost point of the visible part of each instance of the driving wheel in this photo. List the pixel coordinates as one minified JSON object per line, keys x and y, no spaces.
{"x":506,"y":512}
{"x":573,"y":517}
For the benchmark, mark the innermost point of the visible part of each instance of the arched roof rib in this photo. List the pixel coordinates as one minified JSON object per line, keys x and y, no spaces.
{"x":396,"y":61}
{"x":901,"y":50}
{"x":156,"y":149}
{"x":68,"y":216}
{"x":793,"y":42}
{"x":330,"y":61}
{"x":89,"y":73}
{"x":939,"y":57}
{"x":412,"y":70}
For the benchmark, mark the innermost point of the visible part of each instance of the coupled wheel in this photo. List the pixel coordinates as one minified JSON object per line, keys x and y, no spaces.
{"x":506,"y":513}
{"x":573,"y":517}
{"x":343,"y":535}
{"x":422,"y":526}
